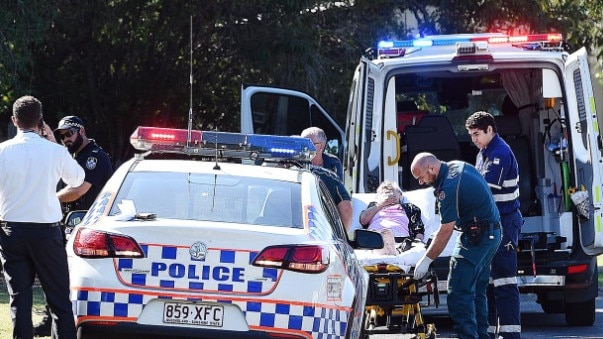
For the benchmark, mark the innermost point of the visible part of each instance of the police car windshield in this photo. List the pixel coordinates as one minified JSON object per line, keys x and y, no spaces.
{"x":207,"y":197}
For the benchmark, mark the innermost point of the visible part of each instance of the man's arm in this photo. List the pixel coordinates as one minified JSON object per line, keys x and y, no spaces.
{"x":69,"y":193}
{"x":345,"y":210}
{"x":440,"y":240}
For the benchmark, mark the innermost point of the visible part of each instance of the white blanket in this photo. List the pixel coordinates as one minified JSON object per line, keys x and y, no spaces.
{"x":404,"y":260}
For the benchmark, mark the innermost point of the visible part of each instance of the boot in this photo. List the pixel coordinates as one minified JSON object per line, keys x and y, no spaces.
{"x":42,"y":329}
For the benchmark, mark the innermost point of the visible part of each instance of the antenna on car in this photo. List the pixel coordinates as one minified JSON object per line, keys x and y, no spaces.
{"x":190,"y":110}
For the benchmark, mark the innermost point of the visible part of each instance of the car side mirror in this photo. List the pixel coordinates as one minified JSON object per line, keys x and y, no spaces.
{"x":74,"y":217}
{"x":366,"y":239}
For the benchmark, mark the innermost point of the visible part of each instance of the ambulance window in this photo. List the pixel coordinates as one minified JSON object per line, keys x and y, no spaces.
{"x":279,"y":114}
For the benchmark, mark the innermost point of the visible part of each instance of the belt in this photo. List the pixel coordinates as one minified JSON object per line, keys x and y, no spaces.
{"x":483,"y":226}
{"x":22,"y":224}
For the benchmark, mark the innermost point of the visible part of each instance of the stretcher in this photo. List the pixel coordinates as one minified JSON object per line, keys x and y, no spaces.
{"x":395,"y":300}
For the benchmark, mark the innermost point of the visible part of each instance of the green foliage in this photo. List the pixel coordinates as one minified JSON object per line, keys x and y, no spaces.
{"x":123,"y":63}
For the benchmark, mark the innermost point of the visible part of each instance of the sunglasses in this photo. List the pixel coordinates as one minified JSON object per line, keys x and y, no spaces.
{"x":68,"y":134}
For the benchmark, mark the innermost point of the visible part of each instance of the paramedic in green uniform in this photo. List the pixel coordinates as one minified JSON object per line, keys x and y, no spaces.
{"x":466,"y":205}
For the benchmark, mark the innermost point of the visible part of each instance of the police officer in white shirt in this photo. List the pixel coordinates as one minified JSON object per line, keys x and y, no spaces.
{"x":30,"y":240}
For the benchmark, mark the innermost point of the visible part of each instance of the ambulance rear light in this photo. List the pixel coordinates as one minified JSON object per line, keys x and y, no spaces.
{"x":299,"y":258}
{"x":91,"y":243}
{"x":223,"y":144}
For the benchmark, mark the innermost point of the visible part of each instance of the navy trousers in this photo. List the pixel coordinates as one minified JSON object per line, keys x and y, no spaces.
{"x":26,"y":250}
{"x":467,"y":283}
{"x":504,"y":314}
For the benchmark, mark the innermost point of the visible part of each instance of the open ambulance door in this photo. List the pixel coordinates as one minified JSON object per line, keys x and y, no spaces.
{"x":280,"y":111}
{"x":587,"y":149}
{"x":368,"y":134}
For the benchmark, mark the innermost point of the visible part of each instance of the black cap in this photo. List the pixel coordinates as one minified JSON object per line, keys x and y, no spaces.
{"x":70,"y":121}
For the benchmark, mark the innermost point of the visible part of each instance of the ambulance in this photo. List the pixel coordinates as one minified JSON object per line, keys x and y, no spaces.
{"x":414,"y":96}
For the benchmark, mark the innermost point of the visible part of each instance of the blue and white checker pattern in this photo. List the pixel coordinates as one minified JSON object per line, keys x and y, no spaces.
{"x":179,"y":276}
{"x":320,"y":322}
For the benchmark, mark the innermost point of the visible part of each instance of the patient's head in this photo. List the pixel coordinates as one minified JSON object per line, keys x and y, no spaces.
{"x":387,"y":189}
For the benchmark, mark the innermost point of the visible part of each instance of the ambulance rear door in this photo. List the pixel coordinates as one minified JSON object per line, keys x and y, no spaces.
{"x":587,"y":148}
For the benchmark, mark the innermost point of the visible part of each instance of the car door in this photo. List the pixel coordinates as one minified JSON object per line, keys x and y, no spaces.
{"x":587,"y":147}
{"x":281,"y":111}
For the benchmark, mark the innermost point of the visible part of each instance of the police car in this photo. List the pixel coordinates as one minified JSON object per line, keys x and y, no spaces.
{"x":204,"y":242}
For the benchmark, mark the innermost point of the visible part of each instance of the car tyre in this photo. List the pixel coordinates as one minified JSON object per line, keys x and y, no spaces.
{"x":552,"y":307}
{"x":581,"y":313}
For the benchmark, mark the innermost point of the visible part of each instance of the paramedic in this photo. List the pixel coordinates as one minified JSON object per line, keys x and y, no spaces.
{"x":390,"y":212}
{"x":465,"y":205}
{"x":31,"y":241}
{"x":322,"y":159}
{"x":497,"y":164}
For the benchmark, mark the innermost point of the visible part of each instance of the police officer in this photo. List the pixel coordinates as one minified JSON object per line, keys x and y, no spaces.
{"x":497,"y":164}
{"x":97,"y":166}
{"x":465,"y":204}
{"x":93,"y":159}
{"x":30,"y":240}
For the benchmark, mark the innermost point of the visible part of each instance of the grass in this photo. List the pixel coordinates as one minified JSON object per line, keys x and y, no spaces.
{"x":6,"y":326}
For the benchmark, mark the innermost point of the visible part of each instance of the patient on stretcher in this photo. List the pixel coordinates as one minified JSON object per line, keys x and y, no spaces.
{"x":403,"y":219}
{"x":400,"y":225}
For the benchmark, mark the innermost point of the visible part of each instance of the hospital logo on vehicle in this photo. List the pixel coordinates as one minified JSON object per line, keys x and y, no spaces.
{"x":175,"y":268}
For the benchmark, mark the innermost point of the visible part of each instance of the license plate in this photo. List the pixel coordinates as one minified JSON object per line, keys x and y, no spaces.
{"x":193,"y":314}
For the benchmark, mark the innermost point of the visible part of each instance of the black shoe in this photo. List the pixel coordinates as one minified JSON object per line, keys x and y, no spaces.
{"x":42,"y":329}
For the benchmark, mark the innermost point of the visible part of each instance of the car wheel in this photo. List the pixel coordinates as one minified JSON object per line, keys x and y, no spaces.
{"x":580,"y":314}
{"x":552,"y":307}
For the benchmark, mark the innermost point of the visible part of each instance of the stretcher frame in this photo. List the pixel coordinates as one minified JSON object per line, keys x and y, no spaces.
{"x":396,"y":297}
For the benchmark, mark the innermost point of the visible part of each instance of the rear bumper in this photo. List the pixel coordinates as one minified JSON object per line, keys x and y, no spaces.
{"x":134,"y":330}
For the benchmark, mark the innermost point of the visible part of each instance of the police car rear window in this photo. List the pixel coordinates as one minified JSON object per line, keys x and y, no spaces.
{"x":206,"y":197}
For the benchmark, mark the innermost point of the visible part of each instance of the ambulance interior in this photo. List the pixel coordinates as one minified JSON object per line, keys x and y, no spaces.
{"x":432,"y":108}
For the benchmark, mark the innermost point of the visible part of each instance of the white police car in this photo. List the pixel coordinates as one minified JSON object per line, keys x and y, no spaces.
{"x":204,"y":247}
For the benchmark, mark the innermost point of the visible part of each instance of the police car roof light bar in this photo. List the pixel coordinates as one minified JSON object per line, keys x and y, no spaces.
{"x":223,"y":144}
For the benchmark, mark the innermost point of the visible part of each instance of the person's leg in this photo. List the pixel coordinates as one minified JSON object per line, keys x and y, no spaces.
{"x":504,"y":279}
{"x":53,"y":273}
{"x":461,"y":289}
{"x":42,"y":329}
{"x":19,"y":277}
{"x":492,"y":316}
{"x":487,"y":249}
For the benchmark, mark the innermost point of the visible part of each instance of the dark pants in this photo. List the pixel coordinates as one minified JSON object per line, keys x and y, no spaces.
{"x":26,"y":250}
{"x":467,"y":283}
{"x":504,"y":315}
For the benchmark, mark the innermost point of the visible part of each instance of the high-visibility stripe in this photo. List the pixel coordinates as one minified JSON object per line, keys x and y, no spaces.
{"x":498,"y":197}
{"x":509,"y":329}
{"x":504,"y":281}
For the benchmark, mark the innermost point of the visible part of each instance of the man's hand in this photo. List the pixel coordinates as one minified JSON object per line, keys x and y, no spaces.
{"x":422,"y":267}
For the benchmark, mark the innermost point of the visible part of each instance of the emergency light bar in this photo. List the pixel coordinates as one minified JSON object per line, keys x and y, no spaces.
{"x":223,"y":144}
{"x":389,"y":49}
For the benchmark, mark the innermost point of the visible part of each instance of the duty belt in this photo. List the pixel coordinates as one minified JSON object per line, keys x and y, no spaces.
{"x":485,"y":226}
{"x":23,"y":224}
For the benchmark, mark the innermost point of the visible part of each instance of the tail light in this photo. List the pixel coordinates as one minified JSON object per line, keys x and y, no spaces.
{"x":300,"y":258}
{"x":91,"y":243}
{"x":575,"y":269}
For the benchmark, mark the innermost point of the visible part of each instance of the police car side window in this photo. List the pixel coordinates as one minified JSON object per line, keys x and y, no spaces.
{"x":331,"y":211}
